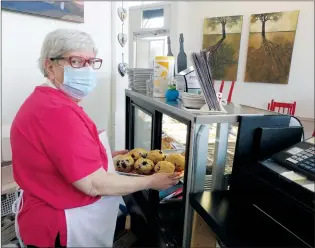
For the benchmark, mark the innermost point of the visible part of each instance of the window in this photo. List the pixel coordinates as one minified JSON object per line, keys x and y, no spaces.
{"x":147,"y":48}
{"x":157,"y":48}
{"x":152,"y":18}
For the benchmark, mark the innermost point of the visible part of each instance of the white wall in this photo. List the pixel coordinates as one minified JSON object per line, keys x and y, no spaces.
{"x":22,"y":37}
{"x":189,"y":18}
{"x":119,"y":84}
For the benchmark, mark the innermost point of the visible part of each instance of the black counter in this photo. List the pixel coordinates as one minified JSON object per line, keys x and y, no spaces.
{"x":237,"y":223}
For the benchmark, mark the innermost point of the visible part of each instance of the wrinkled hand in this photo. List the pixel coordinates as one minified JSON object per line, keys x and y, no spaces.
{"x":123,"y":152}
{"x":161,"y":181}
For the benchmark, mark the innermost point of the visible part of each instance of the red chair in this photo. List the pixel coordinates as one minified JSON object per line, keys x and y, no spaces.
{"x":278,"y":106}
{"x":313,"y":134}
{"x":230,"y":91}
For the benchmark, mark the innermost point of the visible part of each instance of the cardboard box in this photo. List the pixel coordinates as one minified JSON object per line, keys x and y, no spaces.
{"x":202,"y":235}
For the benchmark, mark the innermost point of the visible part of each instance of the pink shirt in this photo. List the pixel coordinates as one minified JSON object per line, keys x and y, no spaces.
{"x":54,"y":143}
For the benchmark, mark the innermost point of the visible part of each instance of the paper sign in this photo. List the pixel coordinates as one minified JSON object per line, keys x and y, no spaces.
{"x":310,"y":186}
{"x":293,"y":176}
{"x":311,"y":140}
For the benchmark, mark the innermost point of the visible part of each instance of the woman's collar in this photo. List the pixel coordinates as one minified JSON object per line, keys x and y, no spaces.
{"x":50,"y":84}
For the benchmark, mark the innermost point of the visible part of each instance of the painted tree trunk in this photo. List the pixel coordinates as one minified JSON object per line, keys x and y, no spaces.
{"x":223,"y":30}
{"x":263,"y":29}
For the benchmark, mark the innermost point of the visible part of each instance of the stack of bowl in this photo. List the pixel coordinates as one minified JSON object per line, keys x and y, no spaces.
{"x":138,"y":78}
{"x":193,"y":101}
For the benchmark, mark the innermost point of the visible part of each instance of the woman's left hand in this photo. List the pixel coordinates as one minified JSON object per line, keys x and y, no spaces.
{"x":123,"y":152}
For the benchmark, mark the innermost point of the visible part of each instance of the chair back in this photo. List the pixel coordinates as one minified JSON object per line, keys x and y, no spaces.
{"x":229,"y":99}
{"x":282,"y":107}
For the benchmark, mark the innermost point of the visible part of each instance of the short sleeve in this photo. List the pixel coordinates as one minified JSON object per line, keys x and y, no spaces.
{"x":69,"y":143}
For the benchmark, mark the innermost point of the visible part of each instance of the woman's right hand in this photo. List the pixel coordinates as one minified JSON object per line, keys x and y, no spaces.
{"x":160,"y":181}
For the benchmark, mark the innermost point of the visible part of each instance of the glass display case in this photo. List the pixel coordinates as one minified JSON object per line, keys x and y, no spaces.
{"x":208,"y":144}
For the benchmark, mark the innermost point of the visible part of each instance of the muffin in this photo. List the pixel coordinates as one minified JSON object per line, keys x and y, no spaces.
{"x":156,"y":156}
{"x":164,"y":167}
{"x":178,"y":160}
{"x":138,"y":153}
{"x":124,"y":163}
{"x":144,"y":166}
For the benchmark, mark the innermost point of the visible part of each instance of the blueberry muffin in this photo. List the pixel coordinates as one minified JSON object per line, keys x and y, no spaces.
{"x":164,"y":167}
{"x":138,"y":153}
{"x":156,"y":156}
{"x":124,"y":163}
{"x":144,"y":166}
{"x":178,"y":160}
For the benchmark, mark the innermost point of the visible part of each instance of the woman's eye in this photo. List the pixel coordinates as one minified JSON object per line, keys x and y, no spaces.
{"x":75,"y":62}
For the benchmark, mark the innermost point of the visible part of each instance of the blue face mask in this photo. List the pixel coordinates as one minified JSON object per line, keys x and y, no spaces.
{"x":78,"y":82}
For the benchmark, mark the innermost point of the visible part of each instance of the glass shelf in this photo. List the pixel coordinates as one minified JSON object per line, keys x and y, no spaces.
{"x":142,"y":129}
{"x":174,"y":133}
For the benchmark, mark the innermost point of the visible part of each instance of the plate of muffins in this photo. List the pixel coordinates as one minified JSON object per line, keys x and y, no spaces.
{"x":140,"y":162}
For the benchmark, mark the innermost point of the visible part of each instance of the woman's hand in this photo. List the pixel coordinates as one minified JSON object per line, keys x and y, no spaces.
{"x":123,"y":152}
{"x":161,"y":181}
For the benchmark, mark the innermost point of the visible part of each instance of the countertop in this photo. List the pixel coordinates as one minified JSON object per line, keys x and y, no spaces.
{"x":175,"y":107}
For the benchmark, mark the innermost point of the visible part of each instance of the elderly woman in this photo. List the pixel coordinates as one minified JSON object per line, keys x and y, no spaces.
{"x":70,"y":189}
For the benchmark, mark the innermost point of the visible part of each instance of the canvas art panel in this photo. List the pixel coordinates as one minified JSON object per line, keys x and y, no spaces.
{"x":64,"y":10}
{"x":222,"y":38}
{"x":270,"y":47}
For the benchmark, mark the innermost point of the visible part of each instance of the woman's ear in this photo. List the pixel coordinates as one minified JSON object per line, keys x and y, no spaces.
{"x":49,"y":68}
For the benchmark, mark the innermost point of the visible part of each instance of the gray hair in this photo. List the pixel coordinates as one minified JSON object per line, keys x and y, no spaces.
{"x":63,"y":41}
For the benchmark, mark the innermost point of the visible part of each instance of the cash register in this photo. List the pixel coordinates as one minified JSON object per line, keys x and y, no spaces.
{"x":270,"y":202}
{"x":282,"y":189}
{"x":299,"y":158}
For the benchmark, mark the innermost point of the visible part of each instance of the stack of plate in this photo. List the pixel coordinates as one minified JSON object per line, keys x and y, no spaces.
{"x":193,"y":101}
{"x":138,"y":78}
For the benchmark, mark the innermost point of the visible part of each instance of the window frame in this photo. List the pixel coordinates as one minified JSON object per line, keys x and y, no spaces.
{"x":135,"y":26}
{"x":142,"y":10}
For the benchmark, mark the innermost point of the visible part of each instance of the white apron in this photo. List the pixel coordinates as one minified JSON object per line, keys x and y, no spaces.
{"x":94,"y":225}
{"x":89,"y":226}
{"x":16,"y":209}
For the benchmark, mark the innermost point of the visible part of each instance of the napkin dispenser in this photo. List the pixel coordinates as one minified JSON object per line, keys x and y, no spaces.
{"x":187,"y":81}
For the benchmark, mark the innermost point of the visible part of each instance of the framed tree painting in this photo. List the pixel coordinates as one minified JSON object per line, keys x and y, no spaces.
{"x":270,"y":47}
{"x":64,"y":10}
{"x":222,"y":38}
